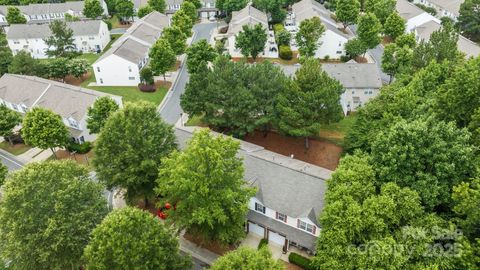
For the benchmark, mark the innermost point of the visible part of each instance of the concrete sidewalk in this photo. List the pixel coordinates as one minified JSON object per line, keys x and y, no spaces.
{"x":197,"y":252}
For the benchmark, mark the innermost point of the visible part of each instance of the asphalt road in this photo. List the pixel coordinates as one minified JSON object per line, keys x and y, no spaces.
{"x":10,"y":161}
{"x":171,"y":110}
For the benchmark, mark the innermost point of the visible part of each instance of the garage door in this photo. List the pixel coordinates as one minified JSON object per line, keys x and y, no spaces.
{"x":255,"y":229}
{"x":204,"y":14}
{"x":276,"y":238}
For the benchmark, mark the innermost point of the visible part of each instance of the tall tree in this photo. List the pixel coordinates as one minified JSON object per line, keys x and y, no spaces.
{"x":150,"y":244}
{"x":467,"y":202}
{"x":190,"y":9}
{"x":92,"y":9}
{"x":3,"y":175}
{"x":196,"y":95}
{"x":47,"y":213}
{"x":162,"y":57}
{"x":99,"y":113}
{"x":308,"y":35}
{"x":124,"y":9}
{"x":469,"y":19}
{"x":205,"y":183}
{"x":381,"y":8}
{"x":355,"y":47}
{"x":130,"y":147}
{"x":251,"y":40}
{"x":44,"y":129}
{"x":246,"y":258}
{"x":183,"y":21}
{"x":8,"y":120}
{"x":347,"y":12}
{"x":61,"y":42}
{"x":396,"y":60}
{"x":196,"y":3}
{"x":231,"y":5}
{"x":23,"y":63}
{"x":157,"y":5}
{"x":312,"y":100}
{"x":77,"y":67}
{"x":15,"y":16}
{"x":199,"y":52}
{"x":6,"y":56}
{"x":57,"y":68}
{"x":369,"y":28}
{"x":394,"y":26}
{"x":176,"y":38}
{"x":272,"y":7}
{"x":143,"y":11}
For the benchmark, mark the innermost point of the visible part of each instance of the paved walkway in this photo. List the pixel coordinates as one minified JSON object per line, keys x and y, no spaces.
{"x":197,"y":252}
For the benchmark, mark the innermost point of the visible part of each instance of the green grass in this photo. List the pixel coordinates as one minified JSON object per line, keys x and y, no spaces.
{"x":90,"y":57}
{"x":195,"y":120}
{"x":336,"y":132}
{"x":16,"y":149}
{"x":132,"y":94}
{"x":115,"y":22}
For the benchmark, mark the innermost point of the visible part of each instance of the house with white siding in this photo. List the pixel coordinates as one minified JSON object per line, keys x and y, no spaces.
{"x":207,"y":10}
{"x":289,"y":199}
{"x":121,"y":64}
{"x":22,"y":93}
{"x":444,"y":8}
{"x":413,"y":15}
{"x":332,"y":42}
{"x":89,"y":37}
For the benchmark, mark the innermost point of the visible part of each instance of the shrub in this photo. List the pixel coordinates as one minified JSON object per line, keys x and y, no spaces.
{"x":430,"y":10}
{"x":79,"y":148}
{"x":285,"y":52}
{"x":326,"y":58}
{"x":109,"y":24}
{"x":263,"y":243}
{"x":146,"y":76}
{"x":278,"y":27}
{"x":301,"y":261}
{"x":283,"y":37}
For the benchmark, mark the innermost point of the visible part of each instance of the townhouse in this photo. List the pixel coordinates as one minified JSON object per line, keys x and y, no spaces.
{"x":250,"y":16}
{"x":290,"y":195}
{"x":22,"y":93}
{"x":208,"y":9}
{"x":444,"y":8}
{"x":89,"y":37}
{"x":413,"y":15}
{"x":121,"y":64}
{"x":332,"y":42}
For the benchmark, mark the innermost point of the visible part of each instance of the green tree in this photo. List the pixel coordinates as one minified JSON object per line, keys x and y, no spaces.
{"x":47,"y":213}
{"x":61,"y":42}
{"x":77,"y":67}
{"x":369,"y":28}
{"x":182,"y":21}
{"x":273,"y":7}
{"x":150,"y":244}
{"x":474,"y":126}
{"x":6,"y":56}
{"x":381,"y":8}
{"x":469,"y":19}
{"x":157,"y":5}
{"x":394,"y":26}
{"x":99,"y":113}
{"x":251,"y":40}
{"x":312,"y":100}
{"x":124,"y":9}
{"x":3,"y":176}
{"x":130,"y":147}
{"x":190,"y":9}
{"x":347,"y":12}
{"x":196,"y":3}
{"x":196,"y":95}
{"x":231,"y":5}
{"x":145,"y":10}
{"x":176,"y":38}
{"x":467,"y":202}
{"x":308,"y":35}
{"x":23,"y":64}
{"x":283,"y":37}
{"x":396,"y":60}
{"x":57,"y":68}
{"x":406,"y":40}
{"x":44,"y":129}
{"x":206,"y":184}
{"x":146,"y":76}
{"x":198,"y":53}
{"x":247,"y":259}
{"x":162,"y":57}
{"x":355,"y":47}
{"x":92,"y":9}
{"x":14,"y":16}
{"x":8,"y":120}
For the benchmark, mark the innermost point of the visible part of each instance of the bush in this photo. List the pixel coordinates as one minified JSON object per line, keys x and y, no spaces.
{"x":283,"y":37}
{"x":278,"y":27}
{"x":263,"y":243}
{"x":285,"y":52}
{"x":79,"y":148}
{"x":326,"y":58}
{"x":301,"y":261}
{"x":146,"y":76}
{"x":109,"y":24}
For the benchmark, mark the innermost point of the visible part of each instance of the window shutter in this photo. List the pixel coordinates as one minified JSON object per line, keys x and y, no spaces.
{"x":256,"y":206}
{"x":264,"y":208}
{"x":276,"y":215}
{"x":298,"y":223}
{"x":285,"y":218}
{"x":314,"y":229}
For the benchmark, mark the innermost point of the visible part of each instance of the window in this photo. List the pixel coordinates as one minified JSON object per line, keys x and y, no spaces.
{"x":353,"y":92}
{"x":101,"y":81}
{"x":259,"y":208}
{"x":91,"y":38}
{"x":131,"y":78}
{"x":281,"y":217}
{"x":129,"y":69}
{"x":339,"y":52}
{"x":72,"y":122}
{"x":16,"y":42}
{"x":14,"y":106}
{"x":306,"y":227}
{"x":98,"y":69}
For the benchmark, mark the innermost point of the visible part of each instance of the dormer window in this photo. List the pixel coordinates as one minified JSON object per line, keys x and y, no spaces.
{"x":302,"y":225}
{"x":72,"y":122}
{"x":259,"y":208}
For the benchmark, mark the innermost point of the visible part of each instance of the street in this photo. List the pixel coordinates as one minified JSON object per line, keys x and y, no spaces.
{"x":10,"y":161}
{"x":171,"y":110}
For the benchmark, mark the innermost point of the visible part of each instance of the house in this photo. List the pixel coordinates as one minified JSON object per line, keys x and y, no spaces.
{"x":208,"y":9}
{"x":250,"y":16}
{"x":468,"y":47}
{"x":46,"y":12}
{"x":22,"y":93}
{"x":89,"y":36}
{"x":413,"y":15}
{"x":332,"y":42}
{"x":121,"y":64}
{"x":444,"y":8}
{"x":290,"y":195}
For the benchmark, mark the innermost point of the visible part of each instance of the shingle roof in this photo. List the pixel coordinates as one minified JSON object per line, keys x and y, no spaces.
{"x":131,"y":50}
{"x":157,"y":19}
{"x":247,"y":16}
{"x":449,"y":5}
{"x":284,"y":184}
{"x":47,"y":8}
{"x":354,"y":75}
{"x":80,"y":28}
{"x":407,"y":10}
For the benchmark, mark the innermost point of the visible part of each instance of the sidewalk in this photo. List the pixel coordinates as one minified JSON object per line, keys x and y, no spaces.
{"x":197,"y":252}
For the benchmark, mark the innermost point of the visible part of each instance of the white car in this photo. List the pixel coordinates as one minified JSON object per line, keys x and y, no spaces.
{"x":212,"y":18}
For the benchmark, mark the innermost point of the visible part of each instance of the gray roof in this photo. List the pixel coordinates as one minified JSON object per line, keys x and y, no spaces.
{"x":157,"y":19}
{"x":146,"y":33}
{"x":80,"y":28}
{"x":47,"y":8}
{"x":247,"y":16}
{"x":294,"y":187}
{"x":449,"y":5}
{"x":131,"y":50}
{"x":407,"y":10}
{"x":64,"y":99}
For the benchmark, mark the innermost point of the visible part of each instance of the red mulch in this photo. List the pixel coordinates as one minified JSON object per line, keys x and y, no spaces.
{"x":76,"y":81}
{"x":213,"y":246}
{"x":321,"y":152}
{"x":83,"y":159}
{"x":361,"y":59}
{"x":162,"y":83}
{"x":290,"y":266}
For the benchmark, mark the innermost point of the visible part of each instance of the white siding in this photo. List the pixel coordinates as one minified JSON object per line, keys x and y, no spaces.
{"x":419,"y":20}
{"x":331,"y":44}
{"x":363,"y":95}
{"x":115,"y":71}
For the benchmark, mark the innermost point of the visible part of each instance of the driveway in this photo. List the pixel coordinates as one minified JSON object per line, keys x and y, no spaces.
{"x":171,"y":110}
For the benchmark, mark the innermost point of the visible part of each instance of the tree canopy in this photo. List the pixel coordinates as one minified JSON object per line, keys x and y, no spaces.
{"x":198,"y":53}
{"x":176,"y":38}
{"x":231,"y":5}
{"x":251,"y":40}
{"x":369,"y":28}
{"x":469,"y":19}
{"x":24,"y":64}
{"x":124,"y":9}
{"x":3,"y":174}
{"x":8,"y":120}
{"x":100,"y":111}
{"x":92,"y":9}
{"x":6,"y":56}
{"x":157,"y":5}
{"x":245,"y":258}
{"x":15,"y":16}
{"x":162,"y":57}
{"x":308,"y":35}
{"x":143,"y":11}
{"x":61,"y":42}
{"x":394,"y":26}
{"x":348,"y":11}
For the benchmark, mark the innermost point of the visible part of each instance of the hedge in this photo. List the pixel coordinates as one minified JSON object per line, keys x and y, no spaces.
{"x":263,"y":243}
{"x":277,"y":27}
{"x":79,"y":148}
{"x":301,"y":261}
{"x":285,"y":52}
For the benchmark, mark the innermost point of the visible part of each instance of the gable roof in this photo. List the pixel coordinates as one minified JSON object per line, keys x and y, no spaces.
{"x":452,"y":6}
{"x":290,"y":186}
{"x":407,"y":10}
{"x":80,"y":28}
{"x":354,"y":75}
{"x":247,"y":16}
{"x":47,"y":8}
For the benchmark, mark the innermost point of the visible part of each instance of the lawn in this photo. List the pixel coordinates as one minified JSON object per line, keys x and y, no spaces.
{"x":132,"y":94}
{"x":16,"y":149}
{"x":336,"y":132}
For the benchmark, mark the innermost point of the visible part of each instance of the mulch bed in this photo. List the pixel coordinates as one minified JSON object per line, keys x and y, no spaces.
{"x":162,"y":83}
{"x":84,"y":159}
{"x":290,"y":266}
{"x":213,"y":246}
{"x":77,"y":81}
{"x":321,"y":152}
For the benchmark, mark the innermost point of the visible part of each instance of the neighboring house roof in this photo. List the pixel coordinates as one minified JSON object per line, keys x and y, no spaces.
{"x":139,"y":3}
{"x":247,"y":16}
{"x":354,"y":75}
{"x":287,"y":185}
{"x":80,"y":28}
{"x":146,"y":33}
{"x":464,"y":45}
{"x":3,"y":10}
{"x":407,"y":10}
{"x":47,"y":8}
{"x":131,"y":50}
{"x":64,"y":99}
{"x":157,"y":19}
{"x":452,"y":6}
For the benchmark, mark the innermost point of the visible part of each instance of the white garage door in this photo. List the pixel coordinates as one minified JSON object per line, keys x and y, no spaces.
{"x":204,"y":14}
{"x":255,"y":229}
{"x":276,"y":238}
